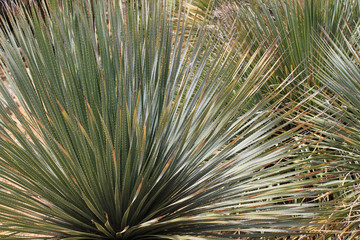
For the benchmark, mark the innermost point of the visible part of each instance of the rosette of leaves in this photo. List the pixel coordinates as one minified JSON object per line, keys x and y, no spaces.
{"x":123,"y":128}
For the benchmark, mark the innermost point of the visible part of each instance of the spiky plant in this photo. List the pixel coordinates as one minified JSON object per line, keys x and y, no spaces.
{"x":339,"y":70}
{"x":122,"y":129}
{"x":294,"y":22}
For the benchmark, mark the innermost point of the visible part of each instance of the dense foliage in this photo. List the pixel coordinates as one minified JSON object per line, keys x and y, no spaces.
{"x":180,"y":120}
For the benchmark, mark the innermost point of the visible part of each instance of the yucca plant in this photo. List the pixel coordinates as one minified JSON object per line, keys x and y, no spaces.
{"x":339,"y":70}
{"x":294,"y":22}
{"x":121,"y":128}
